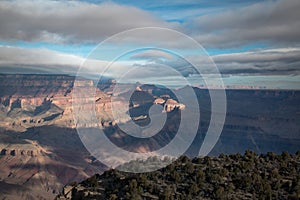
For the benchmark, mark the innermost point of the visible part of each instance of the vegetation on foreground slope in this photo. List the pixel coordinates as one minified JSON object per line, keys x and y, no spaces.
{"x":248,"y":176}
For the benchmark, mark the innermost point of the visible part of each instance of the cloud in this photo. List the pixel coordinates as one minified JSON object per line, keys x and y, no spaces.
{"x":276,"y":23}
{"x":284,"y":61}
{"x":40,"y":60}
{"x":24,"y":56}
{"x":273,"y":22}
{"x":69,"y":21}
{"x":281,"y":61}
{"x":152,"y":54}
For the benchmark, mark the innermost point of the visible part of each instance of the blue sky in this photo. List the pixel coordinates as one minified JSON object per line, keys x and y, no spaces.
{"x":244,"y":38}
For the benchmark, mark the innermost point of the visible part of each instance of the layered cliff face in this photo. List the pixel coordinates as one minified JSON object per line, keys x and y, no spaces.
{"x":38,"y":100}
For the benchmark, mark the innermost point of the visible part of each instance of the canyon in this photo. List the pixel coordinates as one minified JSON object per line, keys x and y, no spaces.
{"x":38,"y":135}
{"x":40,"y":150}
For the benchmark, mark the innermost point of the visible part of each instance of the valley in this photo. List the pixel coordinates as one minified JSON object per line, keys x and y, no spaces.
{"x":41,"y":150}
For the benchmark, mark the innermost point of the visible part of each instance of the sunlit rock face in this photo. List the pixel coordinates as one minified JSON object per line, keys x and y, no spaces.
{"x":37,"y":100}
{"x":172,"y":105}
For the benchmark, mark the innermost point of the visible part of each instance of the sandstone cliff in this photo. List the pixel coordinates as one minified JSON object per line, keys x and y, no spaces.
{"x":38,"y":100}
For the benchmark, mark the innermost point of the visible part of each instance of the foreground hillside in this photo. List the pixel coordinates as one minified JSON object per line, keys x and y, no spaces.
{"x":248,"y":176}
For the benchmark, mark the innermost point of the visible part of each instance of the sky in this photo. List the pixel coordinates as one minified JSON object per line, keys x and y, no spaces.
{"x":250,"y":42}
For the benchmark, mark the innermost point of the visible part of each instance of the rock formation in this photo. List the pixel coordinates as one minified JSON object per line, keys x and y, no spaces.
{"x":38,"y":100}
{"x":172,"y":104}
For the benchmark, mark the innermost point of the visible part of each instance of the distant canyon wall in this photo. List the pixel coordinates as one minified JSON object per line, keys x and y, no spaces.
{"x":37,"y":100}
